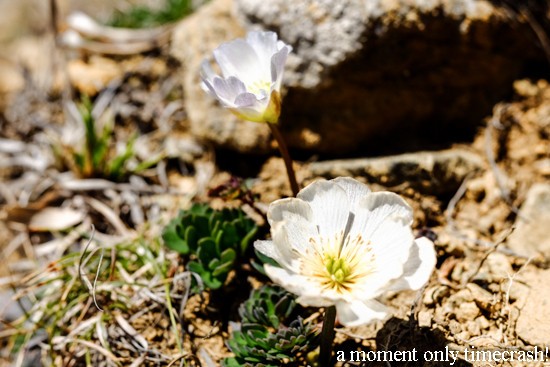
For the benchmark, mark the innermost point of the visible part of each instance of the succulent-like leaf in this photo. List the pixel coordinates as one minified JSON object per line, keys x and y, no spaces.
{"x":173,"y":240}
{"x":213,"y":239}
{"x":268,"y":334}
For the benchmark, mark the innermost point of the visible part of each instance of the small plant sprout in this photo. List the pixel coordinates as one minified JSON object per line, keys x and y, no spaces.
{"x":252,"y":72}
{"x":341,"y":246}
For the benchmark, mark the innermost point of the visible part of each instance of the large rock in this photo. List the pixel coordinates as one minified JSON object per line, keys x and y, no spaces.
{"x":364,"y":69}
{"x":531,"y":235}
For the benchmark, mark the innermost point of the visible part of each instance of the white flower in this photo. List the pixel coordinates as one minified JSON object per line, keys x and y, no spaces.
{"x":252,"y":71}
{"x":338,"y":244}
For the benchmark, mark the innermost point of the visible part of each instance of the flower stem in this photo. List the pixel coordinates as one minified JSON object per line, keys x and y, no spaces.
{"x":327,"y":336}
{"x":286,"y":157}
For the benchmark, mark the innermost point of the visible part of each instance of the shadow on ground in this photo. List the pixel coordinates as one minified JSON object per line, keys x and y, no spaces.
{"x":402,"y":343}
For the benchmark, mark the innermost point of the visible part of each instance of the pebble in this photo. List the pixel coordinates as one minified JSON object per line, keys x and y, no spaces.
{"x":483,"y":299}
{"x":467,"y":311}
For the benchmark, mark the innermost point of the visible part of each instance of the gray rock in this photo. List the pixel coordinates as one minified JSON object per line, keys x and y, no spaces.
{"x":432,"y":172}
{"x":364,"y":69}
{"x":532,"y":234}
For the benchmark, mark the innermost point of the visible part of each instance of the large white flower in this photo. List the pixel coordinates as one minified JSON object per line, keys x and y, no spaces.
{"x":252,"y":70}
{"x":339,"y":244}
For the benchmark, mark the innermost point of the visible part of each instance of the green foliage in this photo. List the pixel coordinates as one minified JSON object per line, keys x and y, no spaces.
{"x":95,"y":154}
{"x":213,"y":240}
{"x":144,"y":17}
{"x":269,"y":336}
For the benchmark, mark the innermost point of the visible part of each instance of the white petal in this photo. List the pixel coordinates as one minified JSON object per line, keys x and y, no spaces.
{"x":360,"y":313}
{"x":330,"y":206}
{"x":277,"y":209}
{"x":208,"y":88}
{"x":281,"y":44}
{"x":237,"y":58}
{"x":297,"y":284}
{"x":236,"y":86}
{"x":391,"y":245}
{"x":281,"y":251}
{"x":390,"y":205}
{"x":269,"y":249}
{"x":354,"y":189}
{"x":224,"y":93}
{"x":207,"y":73}
{"x":419,"y":266}
{"x":314,"y":301}
{"x":377,"y":208}
{"x":264,"y":44}
{"x":296,"y":232}
{"x":278,"y":61}
{"x":246,"y":100}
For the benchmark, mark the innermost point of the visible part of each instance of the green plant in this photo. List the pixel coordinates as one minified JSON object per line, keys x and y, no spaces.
{"x":92,"y":153}
{"x":213,"y":240}
{"x":77,"y":302}
{"x":269,"y":335}
{"x":142,"y":16}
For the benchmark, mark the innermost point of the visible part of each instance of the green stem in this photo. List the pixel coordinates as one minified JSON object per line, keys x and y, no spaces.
{"x":327,"y":336}
{"x":286,"y":157}
{"x":172,"y":317}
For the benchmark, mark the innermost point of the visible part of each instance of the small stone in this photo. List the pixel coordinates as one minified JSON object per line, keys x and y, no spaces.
{"x":455,"y":327}
{"x":467,"y":311}
{"x":483,"y":322}
{"x":473,"y":328}
{"x":433,"y":295}
{"x":425,"y":318}
{"x":517,"y":291}
{"x":483,"y":299}
{"x":498,"y":266}
{"x":530,"y":237}
{"x":462,"y":296}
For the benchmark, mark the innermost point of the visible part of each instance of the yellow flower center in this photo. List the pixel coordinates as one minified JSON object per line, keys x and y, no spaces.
{"x":258,"y":85}
{"x":339,"y":265}
{"x":338,"y":270}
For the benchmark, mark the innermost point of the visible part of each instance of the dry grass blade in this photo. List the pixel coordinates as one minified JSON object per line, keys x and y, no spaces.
{"x":88,"y":27}
{"x":130,"y":331}
{"x":500,"y":177}
{"x":74,"y":40}
{"x":110,"y":215}
{"x":82,"y":274}
{"x":91,"y":184}
{"x":60,"y":342}
{"x":86,"y":34}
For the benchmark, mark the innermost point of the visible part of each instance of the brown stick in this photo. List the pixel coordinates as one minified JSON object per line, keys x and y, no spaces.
{"x":286,"y":157}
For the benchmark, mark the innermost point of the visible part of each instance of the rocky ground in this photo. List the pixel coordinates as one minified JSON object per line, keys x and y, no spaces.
{"x":423,"y":100}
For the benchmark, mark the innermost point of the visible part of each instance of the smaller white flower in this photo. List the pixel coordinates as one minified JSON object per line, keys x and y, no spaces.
{"x":339,"y":244}
{"x":252,"y":70}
